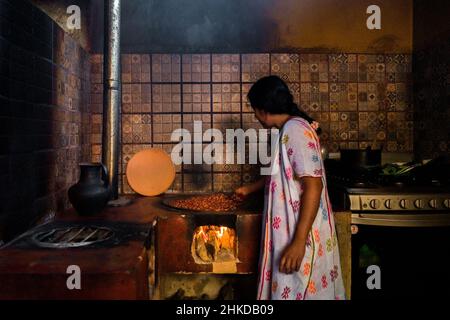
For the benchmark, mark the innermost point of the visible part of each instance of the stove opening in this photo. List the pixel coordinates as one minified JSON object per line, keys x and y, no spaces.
{"x":213,"y":243}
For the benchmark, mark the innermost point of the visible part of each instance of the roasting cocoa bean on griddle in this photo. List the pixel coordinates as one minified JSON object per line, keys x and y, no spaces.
{"x":215,"y":202}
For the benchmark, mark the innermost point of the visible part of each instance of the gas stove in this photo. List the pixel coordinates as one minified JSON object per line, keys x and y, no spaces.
{"x":393,"y":215}
{"x":367,"y":189}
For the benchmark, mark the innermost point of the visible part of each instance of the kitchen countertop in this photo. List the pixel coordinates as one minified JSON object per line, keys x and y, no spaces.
{"x":141,"y":210}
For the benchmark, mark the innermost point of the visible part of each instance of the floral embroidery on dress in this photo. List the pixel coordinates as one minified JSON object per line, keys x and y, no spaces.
{"x":306,"y":269}
{"x":289,"y":173}
{"x":334,"y":240}
{"x":284,"y":139}
{"x":320,"y":251}
{"x":316,"y":235}
{"x":334,"y":273}
{"x":290,"y":152}
{"x":268,"y":275}
{"x":312,"y":287}
{"x":276,"y":222}
{"x":318,"y":172}
{"x":329,"y":247}
{"x":295,"y":205}
{"x":299,"y":296}
{"x":308,"y":134}
{"x":324,"y":281}
{"x":286,"y":292}
{"x":273,"y":186}
{"x":274,"y":286}
{"x":311,"y":145}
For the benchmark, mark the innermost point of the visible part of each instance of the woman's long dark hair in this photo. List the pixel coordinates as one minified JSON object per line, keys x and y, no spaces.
{"x":272,"y":95}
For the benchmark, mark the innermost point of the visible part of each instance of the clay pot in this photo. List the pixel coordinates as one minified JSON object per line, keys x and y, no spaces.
{"x":91,"y":193}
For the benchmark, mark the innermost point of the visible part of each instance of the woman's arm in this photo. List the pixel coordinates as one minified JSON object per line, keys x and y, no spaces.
{"x":251,"y":187}
{"x":310,"y":200}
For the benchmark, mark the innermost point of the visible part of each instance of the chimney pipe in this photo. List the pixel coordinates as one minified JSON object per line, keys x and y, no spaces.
{"x":111,"y":94}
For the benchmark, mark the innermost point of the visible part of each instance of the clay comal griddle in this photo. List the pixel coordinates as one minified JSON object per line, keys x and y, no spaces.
{"x":216,"y":202}
{"x":212,"y":202}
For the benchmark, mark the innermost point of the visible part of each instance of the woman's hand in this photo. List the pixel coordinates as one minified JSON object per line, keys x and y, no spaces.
{"x":243,"y":191}
{"x":292,"y":257}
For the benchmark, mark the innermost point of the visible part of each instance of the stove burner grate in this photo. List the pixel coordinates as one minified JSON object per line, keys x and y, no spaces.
{"x":72,"y":237}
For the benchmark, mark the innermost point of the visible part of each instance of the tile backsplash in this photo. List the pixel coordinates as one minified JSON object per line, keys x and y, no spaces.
{"x":44,"y":116}
{"x":357,"y":98}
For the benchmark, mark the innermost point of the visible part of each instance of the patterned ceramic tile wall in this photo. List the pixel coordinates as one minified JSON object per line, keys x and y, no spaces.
{"x":44,"y":116}
{"x":357,"y":98}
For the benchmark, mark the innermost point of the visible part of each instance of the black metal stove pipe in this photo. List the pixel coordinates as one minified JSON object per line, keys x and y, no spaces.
{"x":111,"y":94}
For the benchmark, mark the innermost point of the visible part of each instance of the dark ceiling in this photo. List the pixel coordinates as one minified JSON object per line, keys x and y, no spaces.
{"x":189,"y":26}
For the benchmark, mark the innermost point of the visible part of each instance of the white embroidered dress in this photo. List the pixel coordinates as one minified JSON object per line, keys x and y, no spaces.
{"x":298,"y":154}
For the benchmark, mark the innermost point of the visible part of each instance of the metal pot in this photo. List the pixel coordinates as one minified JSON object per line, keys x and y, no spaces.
{"x":361,"y":158}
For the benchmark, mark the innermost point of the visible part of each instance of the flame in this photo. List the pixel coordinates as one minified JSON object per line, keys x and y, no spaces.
{"x":203,"y":234}
{"x":214,"y":243}
{"x":204,"y":231}
{"x":221,"y":231}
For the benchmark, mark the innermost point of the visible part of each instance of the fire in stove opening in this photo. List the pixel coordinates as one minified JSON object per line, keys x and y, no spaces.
{"x":213,"y":243}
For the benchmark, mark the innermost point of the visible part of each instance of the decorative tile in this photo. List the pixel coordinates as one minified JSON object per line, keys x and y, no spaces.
{"x":246,"y":107}
{"x":126,"y":189}
{"x":249,"y":121}
{"x":225,"y":68}
{"x":96,"y":68}
{"x":314,"y":96}
{"x":370,"y":97}
{"x":226,"y":97}
{"x":226,"y":182}
{"x":343,"y":96}
{"x":371,"y":68}
{"x":166,"y":98}
{"x":398,"y":67}
{"x":164,"y":125}
{"x":129,"y":150}
{"x":188,"y":122}
{"x":343,"y":67}
{"x":286,"y":66}
{"x":294,"y":88}
{"x":255,"y":66}
{"x":135,"y":68}
{"x":231,"y":159}
{"x":196,"y":67}
{"x":166,"y":68}
{"x":136,"y":98}
{"x":196,"y":98}
{"x":136,"y":128}
{"x":398,"y":97}
{"x":177,"y":185}
{"x":197,"y":182}
{"x":227,"y":121}
{"x":248,"y":177}
{"x":314,"y":68}
{"x":399,"y":130}
{"x":197,"y":152}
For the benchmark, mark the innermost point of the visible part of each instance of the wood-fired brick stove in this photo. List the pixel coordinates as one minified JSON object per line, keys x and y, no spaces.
{"x":201,"y":255}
